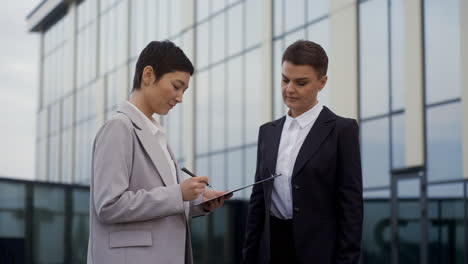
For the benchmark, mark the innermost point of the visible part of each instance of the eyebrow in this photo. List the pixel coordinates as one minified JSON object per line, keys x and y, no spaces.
{"x":181,"y":82}
{"x":299,"y":79}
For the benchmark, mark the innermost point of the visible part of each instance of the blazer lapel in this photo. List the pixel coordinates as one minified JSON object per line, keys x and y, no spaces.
{"x":273,"y":144}
{"x":149,"y":143}
{"x":317,"y":134}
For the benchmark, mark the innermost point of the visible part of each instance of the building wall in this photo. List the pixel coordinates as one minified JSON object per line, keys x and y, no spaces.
{"x":398,"y":66}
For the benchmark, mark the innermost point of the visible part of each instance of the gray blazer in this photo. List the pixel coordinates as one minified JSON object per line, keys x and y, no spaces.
{"x":137,"y":214}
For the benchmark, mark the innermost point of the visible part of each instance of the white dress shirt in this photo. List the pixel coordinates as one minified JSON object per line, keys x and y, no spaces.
{"x":294,"y":132}
{"x":158,"y":131}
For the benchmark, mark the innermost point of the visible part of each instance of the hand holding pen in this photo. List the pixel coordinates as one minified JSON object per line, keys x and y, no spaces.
{"x":193,"y":175}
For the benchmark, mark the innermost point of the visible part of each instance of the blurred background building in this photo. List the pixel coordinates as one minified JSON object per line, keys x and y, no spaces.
{"x":398,"y":66}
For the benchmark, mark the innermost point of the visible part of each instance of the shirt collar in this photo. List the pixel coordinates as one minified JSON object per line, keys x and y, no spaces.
{"x":152,"y":124}
{"x":305,"y":118}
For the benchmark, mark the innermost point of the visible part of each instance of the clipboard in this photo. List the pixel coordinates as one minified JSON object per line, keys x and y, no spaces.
{"x":241,"y":188}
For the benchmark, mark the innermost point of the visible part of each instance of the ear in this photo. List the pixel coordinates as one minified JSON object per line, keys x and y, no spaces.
{"x":148,"y":75}
{"x":323,"y":81}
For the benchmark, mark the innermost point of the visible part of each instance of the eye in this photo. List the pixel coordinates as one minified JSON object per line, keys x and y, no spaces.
{"x":285,"y":80}
{"x":176,"y":87}
{"x":301,"y":83}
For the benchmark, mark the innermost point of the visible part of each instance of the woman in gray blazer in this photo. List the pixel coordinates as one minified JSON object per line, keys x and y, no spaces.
{"x":139,"y":203}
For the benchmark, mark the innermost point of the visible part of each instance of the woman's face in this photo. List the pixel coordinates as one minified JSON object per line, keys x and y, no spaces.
{"x":168,"y":91}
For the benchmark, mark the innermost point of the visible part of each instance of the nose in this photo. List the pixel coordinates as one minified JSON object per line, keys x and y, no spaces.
{"x":179,"y":97}
{"x":290,"y":87}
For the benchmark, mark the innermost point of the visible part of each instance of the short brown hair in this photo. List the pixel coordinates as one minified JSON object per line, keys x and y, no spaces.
{"x":304,"y":52}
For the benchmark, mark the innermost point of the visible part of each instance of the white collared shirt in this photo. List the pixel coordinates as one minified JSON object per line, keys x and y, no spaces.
{"x":294,"y":132}
{"x":158,"y":131}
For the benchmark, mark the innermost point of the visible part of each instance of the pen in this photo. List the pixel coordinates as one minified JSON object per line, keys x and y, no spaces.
{"x":193,"y":175}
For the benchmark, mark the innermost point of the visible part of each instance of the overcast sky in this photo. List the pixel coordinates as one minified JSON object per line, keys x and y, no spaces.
{"x":19,"y":67}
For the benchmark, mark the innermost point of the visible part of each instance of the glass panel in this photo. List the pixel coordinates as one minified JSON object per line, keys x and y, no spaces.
{"x":375,"y":153}
{"x":293,"y":37}
{"x":252,"y":95}
{"x":12,"y":203}
{"x":235,"y":172}
{"x":218,"y":43}
{"x":198,"y":231}
{"x":253,"y":18}
{"x":202,"y":166}
{"x":398,"y":141}
{"x":316,"y":9}
{"x":409,"y":233}
{"x":278,"y":26}
{"x":250,"y":167}
{"x":446,"y":227}
{"x":217,"y":5}
{"x":235,"y":29}
{"x":444,"y":151}
{"x":202,"y":32}
{"x":235,"y":102}
{"x":202,"y":112}
{"x":373,"y":62}
{"x":294,"y":12}
{"x":48,"y":224}
{"x":80,"y":226}
{"x":376,"y":233}
{"x":218,"y":172}
{"x":218,"y":106}
{"x":203,"y":9}
{"x":442,"y":48}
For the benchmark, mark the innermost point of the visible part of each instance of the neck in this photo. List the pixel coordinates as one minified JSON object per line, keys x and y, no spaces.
{"x":295,"y":113}
{"x":138,"y":100}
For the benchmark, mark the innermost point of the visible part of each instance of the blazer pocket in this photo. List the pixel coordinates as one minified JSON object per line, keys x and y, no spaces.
{"x":130,"y":239}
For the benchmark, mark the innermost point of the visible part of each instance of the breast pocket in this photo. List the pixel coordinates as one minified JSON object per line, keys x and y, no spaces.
{"x":130,"y":239}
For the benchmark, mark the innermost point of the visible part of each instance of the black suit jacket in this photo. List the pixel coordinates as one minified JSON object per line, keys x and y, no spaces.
{"x":326,"y":193}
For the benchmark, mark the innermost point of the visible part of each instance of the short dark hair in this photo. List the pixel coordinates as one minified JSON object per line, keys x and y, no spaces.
{"x":304,"y":52}
{"x":164,"y":57}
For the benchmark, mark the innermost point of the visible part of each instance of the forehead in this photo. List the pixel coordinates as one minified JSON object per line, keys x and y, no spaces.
{"x":294,"y":71}
{"x":178,"y":75}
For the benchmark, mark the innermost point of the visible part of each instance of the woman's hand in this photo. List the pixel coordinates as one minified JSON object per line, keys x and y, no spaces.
{"x":216,"y":203}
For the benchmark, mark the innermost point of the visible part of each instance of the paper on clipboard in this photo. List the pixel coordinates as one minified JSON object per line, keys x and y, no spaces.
{"x":233,"y":191}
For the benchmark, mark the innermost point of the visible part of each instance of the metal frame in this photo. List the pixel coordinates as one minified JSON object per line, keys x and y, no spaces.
{"x":404,"y":174}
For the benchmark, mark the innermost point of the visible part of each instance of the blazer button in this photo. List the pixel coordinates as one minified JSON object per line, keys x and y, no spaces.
{"x":296,"y":209}
{"x":296,"y":187}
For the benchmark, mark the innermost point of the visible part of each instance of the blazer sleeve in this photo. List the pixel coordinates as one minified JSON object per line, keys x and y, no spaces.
{"x":112,"y":169}
{"x":255,"y":215}
{"x":350,"y":202}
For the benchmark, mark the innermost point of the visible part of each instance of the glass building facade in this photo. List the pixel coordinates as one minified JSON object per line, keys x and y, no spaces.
{"x":397,"y":66}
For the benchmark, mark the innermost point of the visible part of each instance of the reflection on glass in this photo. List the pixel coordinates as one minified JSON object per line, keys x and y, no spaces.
{"x":409,"y":235}
{"x":442,"y":27}
{"x":12,"y":205}
{"x":48,"y":224}
{"x":80,"y":226}
{"x":444,"y":153}
{"x":375,"y":153}
{"x":446,"y":228}
{"x":373,"y":61}
{"x":376,"y":233}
